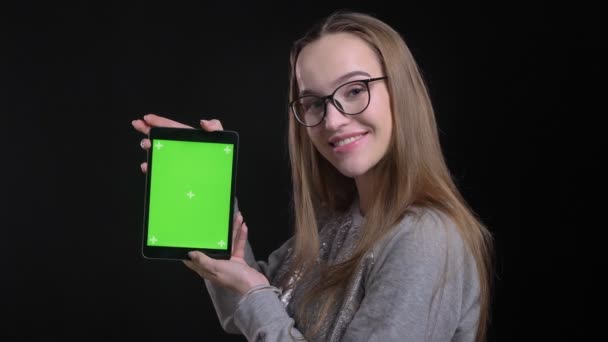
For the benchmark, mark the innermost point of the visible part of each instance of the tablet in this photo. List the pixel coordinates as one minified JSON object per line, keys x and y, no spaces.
{"x":190,"y":191}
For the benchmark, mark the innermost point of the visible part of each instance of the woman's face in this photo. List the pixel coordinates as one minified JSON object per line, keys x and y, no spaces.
{"x":353,"y":144}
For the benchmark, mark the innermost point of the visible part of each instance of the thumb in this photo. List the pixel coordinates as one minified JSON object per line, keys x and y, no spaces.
{"x":211,"y":125}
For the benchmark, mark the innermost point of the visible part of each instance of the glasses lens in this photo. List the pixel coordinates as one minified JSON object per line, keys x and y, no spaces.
{"x":352,"y":98}
{"x":309,"y":109}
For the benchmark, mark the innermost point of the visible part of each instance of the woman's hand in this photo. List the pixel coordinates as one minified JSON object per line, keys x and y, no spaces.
{"x":152,"y":120}
{"x":234,"y":274}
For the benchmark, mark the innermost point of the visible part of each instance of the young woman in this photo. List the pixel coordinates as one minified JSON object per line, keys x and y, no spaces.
{"x":385,"y":247}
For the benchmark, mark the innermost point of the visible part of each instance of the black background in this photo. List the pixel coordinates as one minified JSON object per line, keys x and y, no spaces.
{"x":516,"y":91}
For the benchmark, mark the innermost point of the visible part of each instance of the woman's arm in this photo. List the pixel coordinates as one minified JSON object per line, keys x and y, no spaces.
{"x":226,"y":301}
{"x":422,"y":286}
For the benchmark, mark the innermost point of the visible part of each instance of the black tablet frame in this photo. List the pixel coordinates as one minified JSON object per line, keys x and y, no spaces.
{"x":193,"y":135}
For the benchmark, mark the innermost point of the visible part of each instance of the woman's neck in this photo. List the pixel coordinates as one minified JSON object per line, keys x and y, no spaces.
{"x":364,"y":191}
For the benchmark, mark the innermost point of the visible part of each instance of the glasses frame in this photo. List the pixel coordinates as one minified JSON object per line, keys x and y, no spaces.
{"x":333,"y":101}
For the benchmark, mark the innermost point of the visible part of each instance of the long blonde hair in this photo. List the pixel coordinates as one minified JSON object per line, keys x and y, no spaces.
{"x":414,"y":172}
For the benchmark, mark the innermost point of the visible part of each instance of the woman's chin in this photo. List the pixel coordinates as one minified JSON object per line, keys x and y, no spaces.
{"x":352,"y":171}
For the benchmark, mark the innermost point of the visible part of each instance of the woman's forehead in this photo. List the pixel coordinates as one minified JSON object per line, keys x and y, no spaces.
{"x":326,"y":60}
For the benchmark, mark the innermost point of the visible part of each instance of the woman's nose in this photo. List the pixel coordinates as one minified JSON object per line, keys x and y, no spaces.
{"x":334,"y":118}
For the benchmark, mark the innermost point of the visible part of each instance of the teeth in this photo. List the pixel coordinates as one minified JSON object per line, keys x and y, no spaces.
{"x":348,"y":140}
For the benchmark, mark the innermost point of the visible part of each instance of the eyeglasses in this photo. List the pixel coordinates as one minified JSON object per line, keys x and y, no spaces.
{"x":351,"y":98}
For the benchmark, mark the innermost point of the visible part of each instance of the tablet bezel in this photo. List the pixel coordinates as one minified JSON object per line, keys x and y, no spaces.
{"x":192,"y":135}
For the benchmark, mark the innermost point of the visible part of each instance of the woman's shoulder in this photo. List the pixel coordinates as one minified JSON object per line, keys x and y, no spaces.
{"x":426,"y":223}
{"x":428,"y":244}
{"x":425,"y":233}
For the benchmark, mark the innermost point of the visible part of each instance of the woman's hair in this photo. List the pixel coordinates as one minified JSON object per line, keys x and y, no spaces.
{"x":412,"y":173}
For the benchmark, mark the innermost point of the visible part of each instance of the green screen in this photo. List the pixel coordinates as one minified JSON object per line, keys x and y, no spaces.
{"x":190,"y":189}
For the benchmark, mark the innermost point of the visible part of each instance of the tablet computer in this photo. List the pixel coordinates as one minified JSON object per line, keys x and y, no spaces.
{"x":190,"y":193}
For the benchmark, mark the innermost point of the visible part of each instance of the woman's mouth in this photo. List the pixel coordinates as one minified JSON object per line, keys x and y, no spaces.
{"x":347,"y":140}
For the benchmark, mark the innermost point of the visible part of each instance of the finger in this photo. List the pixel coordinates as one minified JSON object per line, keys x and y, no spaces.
{"x":203,"y":265}
{"x":191,"y":265}
{"x":154,"y":120}
{"x":236,"y":229}
{"x":145,"y":144}
{"x":238,"y":220}
{"x":144,"y":167}
{"x":241,"y":242}
{"x":141,"y":126}
{"x":211,"y":125}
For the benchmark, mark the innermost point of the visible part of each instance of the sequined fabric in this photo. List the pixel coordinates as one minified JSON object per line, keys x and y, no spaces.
{"x":337,"y":237}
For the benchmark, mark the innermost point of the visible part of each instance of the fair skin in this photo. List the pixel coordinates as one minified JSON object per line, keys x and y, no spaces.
{"x":322,"y":66}
{"x":345,"y":57}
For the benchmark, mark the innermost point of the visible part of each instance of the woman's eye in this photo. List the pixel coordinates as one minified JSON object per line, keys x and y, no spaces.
{"x":355,"y":91}
{"x":313,"y":105}
{"x":316,"y":104}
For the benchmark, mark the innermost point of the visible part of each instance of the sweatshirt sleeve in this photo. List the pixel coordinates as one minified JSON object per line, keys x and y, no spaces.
{"x":423,"y":286}
{"x":261,"y":316}
{"x":225,"y":301}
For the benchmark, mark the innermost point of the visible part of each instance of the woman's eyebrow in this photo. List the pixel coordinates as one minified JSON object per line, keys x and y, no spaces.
{"x":338,"y":81}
